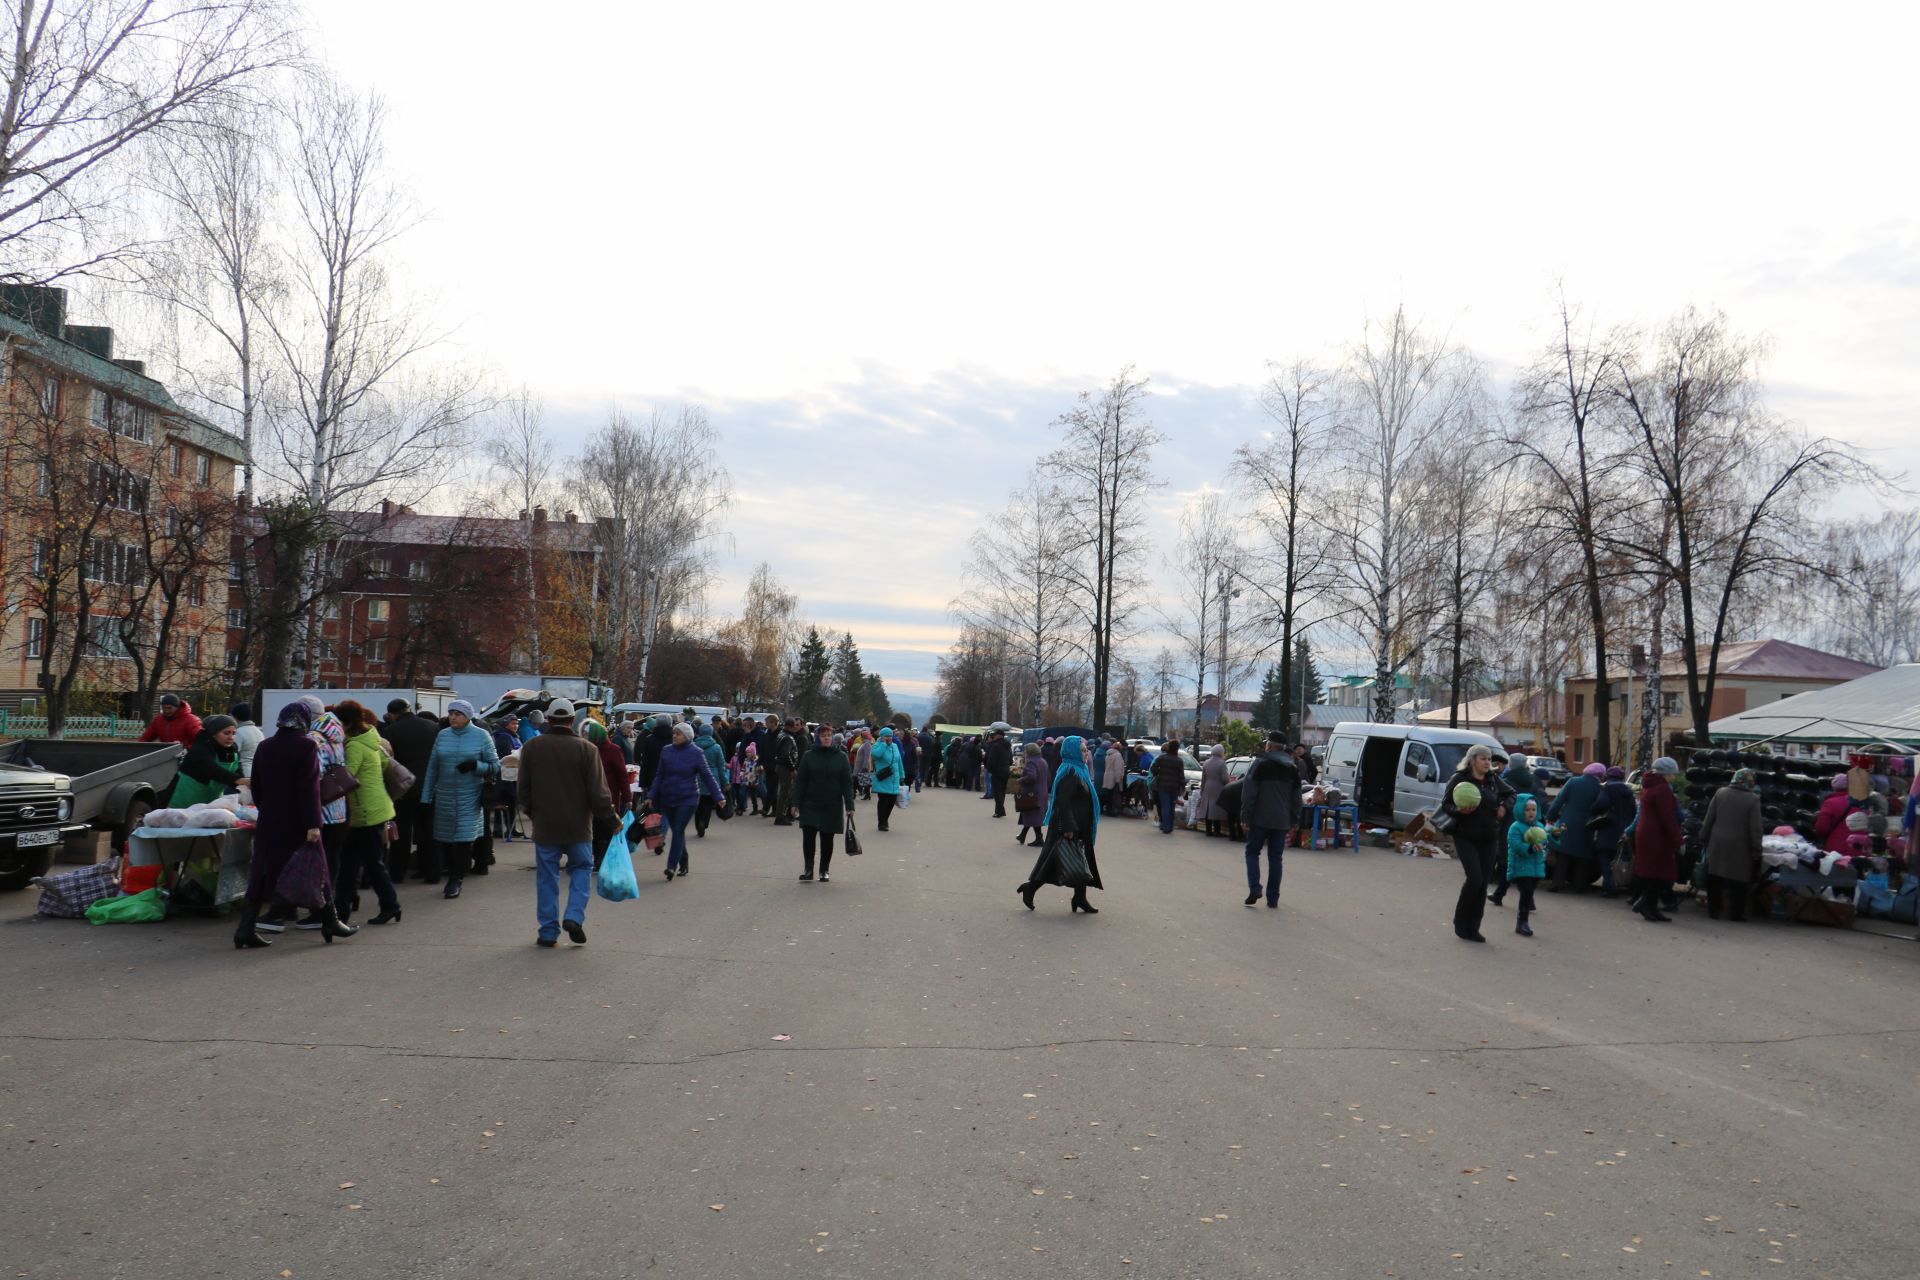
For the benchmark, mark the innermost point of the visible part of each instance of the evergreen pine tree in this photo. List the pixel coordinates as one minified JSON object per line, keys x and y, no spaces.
{"x":1306,"y":677}
{"x":810,"y":675}
{"x":1267,"y":713}
{"x":877,"y":705}
{"x":849,"y":680}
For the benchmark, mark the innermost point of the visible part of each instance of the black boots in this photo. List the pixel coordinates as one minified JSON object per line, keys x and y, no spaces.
{"x":244,"y":937}
{"x":1080,"y":903}
{"x":332,"y":927}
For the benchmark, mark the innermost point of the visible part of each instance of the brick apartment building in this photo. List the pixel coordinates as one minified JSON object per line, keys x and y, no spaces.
{"x":104,"y":481}
{"x":411,"y":595}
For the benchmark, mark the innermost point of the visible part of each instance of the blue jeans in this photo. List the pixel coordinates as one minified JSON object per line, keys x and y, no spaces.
{"x":678,"y":816}
{"x":1275,"y":840}
{"x":1168,"y":801}
{"x":548,"y":858}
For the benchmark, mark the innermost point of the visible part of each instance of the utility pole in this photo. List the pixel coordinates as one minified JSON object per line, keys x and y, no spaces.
{"x":1227,"y":593}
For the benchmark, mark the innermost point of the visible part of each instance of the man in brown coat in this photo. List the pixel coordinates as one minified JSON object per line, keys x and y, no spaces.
{"x":562,"y":790}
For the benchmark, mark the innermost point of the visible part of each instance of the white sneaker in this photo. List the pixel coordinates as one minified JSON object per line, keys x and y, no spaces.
{"x":823,"y":877}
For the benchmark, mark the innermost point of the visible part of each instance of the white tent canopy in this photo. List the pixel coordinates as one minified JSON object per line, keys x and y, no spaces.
{"x":1882,"y":709}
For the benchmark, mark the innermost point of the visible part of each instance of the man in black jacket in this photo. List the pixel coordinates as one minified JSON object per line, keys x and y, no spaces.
{"x":1269,"y":801}
{"x":999,"y":762}
{"x":412,"y":741}
{"x":788,"y":744}
{"x":1170,"y":783}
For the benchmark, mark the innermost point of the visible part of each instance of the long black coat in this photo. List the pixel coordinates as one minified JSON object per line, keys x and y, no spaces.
{"x":823,"y":789}
{"x":1072,"y":816}
{"x":286,"y":786}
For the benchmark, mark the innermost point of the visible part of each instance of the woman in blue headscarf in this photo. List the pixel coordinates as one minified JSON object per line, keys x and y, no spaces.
{"x":1073,"y":814}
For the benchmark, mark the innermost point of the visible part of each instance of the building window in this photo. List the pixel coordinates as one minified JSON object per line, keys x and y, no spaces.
{"x":377,"y":650}
{"x":203,"y":468}
{"x":174,"y":458}
{"x":173,"y":522}
{"x":236,"y":619}
{"x":376,"y":611}
{"x":233,"y":659}
{"x":42,"y":554}
{"x":36,"y":637}
{"x":323,"y":650}
{"x":103,"y":639}
{"x":1579,"y":704}
{"x":236,"y":572}
{"x":121,"y":563}
{"x":134,"y":421}
{"x":116,"y":487}
{"x":44,"y":485}
{"x":1669,"y":704}
{"x":197,"y":591}
{"x":417,"y":570}
{"x":193,"y":651}
{"x":330,"y":607}
{"x":379,"y":567}
{"x":102,"y":410}
{"x":50,"y":395}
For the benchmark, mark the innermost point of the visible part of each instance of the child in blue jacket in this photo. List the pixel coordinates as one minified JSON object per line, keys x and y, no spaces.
{"x":1526,"y":858}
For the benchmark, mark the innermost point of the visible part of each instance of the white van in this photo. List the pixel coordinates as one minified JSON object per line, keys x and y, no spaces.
{"x":1394,"y":771}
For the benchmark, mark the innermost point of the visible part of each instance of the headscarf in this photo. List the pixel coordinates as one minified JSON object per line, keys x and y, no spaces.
{"x":596,"y":732}
{"x":1217,"y":752}
{"x":1073,"y":759}
{"x":1597,"y":770}
{"x":1744,"y":779}
{"x":887,"y":733}
{"x":1616,"y":774}
{"x":295,"y":716}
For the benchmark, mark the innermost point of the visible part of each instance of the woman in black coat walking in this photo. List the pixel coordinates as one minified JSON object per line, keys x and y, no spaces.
{"x":1031,"y":801}
{"x":286,"y":786}
{"x":1072,"y":820}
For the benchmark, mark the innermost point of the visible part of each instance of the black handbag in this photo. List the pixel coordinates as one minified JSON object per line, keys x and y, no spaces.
{"x":1071,"y":857}
{"x":853,"y":841}
{"x":337,"y":782}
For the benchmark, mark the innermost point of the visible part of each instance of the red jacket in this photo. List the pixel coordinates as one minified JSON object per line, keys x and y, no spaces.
{"x":1656,"y":838}
{"x":1830,"y":825}
{"x":614,"y":765}
{"x":181,"y":728}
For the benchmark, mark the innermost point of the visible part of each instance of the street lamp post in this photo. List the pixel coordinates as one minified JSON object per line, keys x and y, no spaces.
{"x":1227,"y":592}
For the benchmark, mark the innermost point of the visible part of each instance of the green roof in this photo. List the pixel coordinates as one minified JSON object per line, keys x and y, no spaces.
{"x":77,"y":360}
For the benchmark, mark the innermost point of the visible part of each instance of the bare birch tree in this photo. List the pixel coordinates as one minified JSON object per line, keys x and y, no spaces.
{"x":357,"y":409}
{"x":1287,"y":569}
{"x":1103,"y":474}
{"x":1206,"y":562}
{"x":1014,"y":588}
{"x":89,"y":81}
{"x":1402,"y":395}
{"x":521,"y":456}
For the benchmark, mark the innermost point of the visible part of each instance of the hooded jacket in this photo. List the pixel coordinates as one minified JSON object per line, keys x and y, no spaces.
{"x":887,"y":756}
{"x":1524,"y":860}
{"x":182,"y":728}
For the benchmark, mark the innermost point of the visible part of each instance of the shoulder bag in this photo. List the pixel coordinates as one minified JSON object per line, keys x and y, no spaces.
{"x":336,"y":783}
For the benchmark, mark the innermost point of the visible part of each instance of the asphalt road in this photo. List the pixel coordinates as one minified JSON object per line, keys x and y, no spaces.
{"x":1179,"y":1086}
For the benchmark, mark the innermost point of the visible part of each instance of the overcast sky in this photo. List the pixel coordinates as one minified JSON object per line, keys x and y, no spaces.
{"x":885,"y":244}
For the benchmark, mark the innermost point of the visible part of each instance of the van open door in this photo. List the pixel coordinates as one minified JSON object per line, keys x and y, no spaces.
{"x":1379,"y":775}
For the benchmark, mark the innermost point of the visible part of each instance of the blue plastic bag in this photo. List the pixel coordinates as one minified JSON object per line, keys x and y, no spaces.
{"x":615,"y":880}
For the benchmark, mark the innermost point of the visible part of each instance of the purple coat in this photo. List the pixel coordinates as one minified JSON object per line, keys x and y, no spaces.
{"x":677,"y":780}
{"x":286,"y":786}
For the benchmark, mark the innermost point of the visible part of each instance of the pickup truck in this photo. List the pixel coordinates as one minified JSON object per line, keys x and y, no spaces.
{"x":50,"y":790}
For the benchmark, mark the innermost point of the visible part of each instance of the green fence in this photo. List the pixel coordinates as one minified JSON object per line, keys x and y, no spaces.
{"x":15,"y":725}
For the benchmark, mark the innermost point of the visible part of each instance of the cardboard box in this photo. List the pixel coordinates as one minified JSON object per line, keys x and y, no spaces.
{"x":1807,"y":909}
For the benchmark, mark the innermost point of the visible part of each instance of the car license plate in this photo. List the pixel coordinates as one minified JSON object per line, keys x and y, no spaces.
{"x":33,"y":839}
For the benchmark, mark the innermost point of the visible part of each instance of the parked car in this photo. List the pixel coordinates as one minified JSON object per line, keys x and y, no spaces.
{"x":1394,"y":771}
{"x":52,"y":790}
{"x":1549,"y":771}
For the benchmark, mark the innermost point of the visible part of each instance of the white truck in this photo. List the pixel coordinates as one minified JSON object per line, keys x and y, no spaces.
{"x":375,"y":700}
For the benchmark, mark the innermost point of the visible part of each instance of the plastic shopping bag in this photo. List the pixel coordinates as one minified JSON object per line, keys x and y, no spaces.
{"x":615,"y":880}
{"x":140,"y":908}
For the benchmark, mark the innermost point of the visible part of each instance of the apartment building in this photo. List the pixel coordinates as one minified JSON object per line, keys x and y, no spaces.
{"x":108,"y":492}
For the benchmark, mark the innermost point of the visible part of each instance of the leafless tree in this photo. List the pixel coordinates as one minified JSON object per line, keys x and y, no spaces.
{"x":357,"y":409}
{"x":1560,"y":436}
{"x":1207,"y":562}
{"x":90,"y":81}
{"x":1865,"y":594}
{"x":1014,"y":588}
{"x":661,"y":486}
{"x":1472,"y":505}
{"x":1103,"y":475}
{"x":1735,"y":486}
{"x":520,"y":453}
{"x":769,"y":635}
{"x":1402,"y":395}
{"x":1287,"y":569}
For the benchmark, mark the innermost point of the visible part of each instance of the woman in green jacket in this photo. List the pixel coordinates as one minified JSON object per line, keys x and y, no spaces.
{"x":369,"y":811}
{"x":211,"y":768}
{"x":822,"y":789}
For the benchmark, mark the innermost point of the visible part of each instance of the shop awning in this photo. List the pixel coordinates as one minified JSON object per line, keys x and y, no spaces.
{"x":1882,"y":709}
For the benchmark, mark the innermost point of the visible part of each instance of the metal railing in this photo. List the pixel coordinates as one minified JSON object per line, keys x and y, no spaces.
{"x":15,"y":725}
